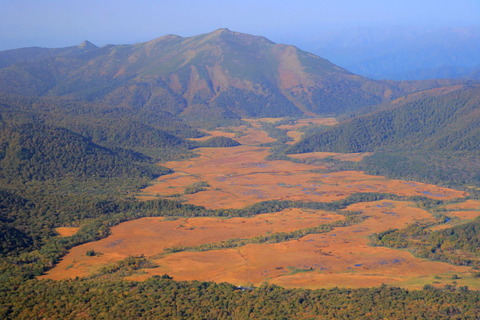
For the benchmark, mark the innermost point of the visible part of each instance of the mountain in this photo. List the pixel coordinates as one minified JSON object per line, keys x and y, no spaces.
{"x":223,"y":73}
{"x":9,"y":57}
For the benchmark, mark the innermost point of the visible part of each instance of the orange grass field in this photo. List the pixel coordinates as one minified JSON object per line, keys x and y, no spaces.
{"x":341,"y":257}
{"x":240,"y":176}
{"x":150,"y":236}
{"x":66,"y":231}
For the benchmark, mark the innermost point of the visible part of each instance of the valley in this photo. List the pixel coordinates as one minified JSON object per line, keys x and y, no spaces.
{"x":238,"y":177}
{"x":226,"y":176}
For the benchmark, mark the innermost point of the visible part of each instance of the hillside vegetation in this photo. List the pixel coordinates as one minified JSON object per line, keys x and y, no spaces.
{"x":449,"y":122}
{"x":432,"y":139}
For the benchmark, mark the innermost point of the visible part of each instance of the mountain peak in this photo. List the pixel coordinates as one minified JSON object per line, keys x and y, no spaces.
{"x":225,"y":33}
{"x":87,"y":45}
{"x":221,"y":33}
{"x":222,"y":30}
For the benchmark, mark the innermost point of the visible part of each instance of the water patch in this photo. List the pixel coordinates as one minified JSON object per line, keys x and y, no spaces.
{"x":385,"y":262}
{"x":114,"y":243}
{"x":433,"y":194}
{"x":254,"y":192}
{"x":385,"y":205}
{"x":255,"y":164}
{"x":286,"y":185}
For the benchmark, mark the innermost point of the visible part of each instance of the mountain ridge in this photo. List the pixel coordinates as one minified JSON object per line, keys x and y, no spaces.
{"x":242,"y":74}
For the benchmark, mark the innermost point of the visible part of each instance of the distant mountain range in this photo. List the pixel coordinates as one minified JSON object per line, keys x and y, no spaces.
{"x":222,"y":74}
{"x":402,"y":53}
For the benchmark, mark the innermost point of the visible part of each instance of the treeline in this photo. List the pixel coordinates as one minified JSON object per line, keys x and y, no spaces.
{"x":158,"y":298}
{"x":448,"y":122}
{"x":445,"y":168}
{"x":215,"y":142}
{"x":458,"y":245}
{"x":351,"y":218}
{"x":400,"y":239}
{"x":20,"y":231}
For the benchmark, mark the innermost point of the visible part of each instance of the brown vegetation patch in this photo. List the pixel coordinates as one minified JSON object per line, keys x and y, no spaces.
{"x":253,"y":137}
{"x":174,"y":184}
{"x":458,"y":217}
{"x":150,"y":236}
{"x":328,"y":121}
{"x":464,"y":215}
{"x":465,"y":205}
{"x":467,"y":211}
{"x":214,"y":133}
{"x":66,"y":231}
{"x":341,"y":257}
{"x":354,"y":157}
{"x":258,"y":121}
{"x":242,"y":177}
{"x":295,"y":135}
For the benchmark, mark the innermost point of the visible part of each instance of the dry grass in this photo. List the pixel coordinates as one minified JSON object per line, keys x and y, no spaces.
{"x":66,"y":231}
{"x":306,"y":122}
{"x":150,"y":236}
{"x":341,"y":257}
{"x":241,"y":176}
{"x":465,"y":205}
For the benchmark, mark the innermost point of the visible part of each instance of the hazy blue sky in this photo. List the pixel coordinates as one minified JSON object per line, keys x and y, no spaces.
{"x":59,"y":23}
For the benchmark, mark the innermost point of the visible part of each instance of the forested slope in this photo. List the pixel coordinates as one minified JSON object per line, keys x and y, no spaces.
{"x":37,"y":152}
{"x":167,"y":299}
{"x":433,"y":140}
{"x":113,"y":127}
{"x":448,"y":122}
